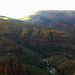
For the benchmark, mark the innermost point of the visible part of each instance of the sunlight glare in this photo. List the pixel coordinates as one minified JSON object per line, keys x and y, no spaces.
{"x":21,"y":8}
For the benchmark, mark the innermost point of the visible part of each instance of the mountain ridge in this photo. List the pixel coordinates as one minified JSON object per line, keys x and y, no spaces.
{"x":53,"y":18}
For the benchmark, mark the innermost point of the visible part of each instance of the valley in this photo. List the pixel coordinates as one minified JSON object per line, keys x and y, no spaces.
{"x":45,"y":35}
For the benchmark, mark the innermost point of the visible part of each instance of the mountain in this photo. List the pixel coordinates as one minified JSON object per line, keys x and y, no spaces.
{"x":28,"y":44}
{"x":52,"y":18}
{"x":38,"y":38}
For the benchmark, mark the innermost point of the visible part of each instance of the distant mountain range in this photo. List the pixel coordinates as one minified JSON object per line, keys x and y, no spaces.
{"x":45,"y":34}
{"x":52,"y":18}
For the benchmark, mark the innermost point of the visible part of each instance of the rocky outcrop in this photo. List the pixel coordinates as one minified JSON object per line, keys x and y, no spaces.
{"x":12,"y":67}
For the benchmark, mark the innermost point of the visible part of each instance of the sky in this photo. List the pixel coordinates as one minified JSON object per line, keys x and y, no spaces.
{"x":20,"y":8}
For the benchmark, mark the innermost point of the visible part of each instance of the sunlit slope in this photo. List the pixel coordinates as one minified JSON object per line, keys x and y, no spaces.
{"x":52,"y":18}
{"x":10,"y":19}
{"x":4,"y":18}
{"x":28,"y":17}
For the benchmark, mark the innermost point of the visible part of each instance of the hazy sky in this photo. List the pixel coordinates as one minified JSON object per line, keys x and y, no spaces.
{"x":21,"y":8}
